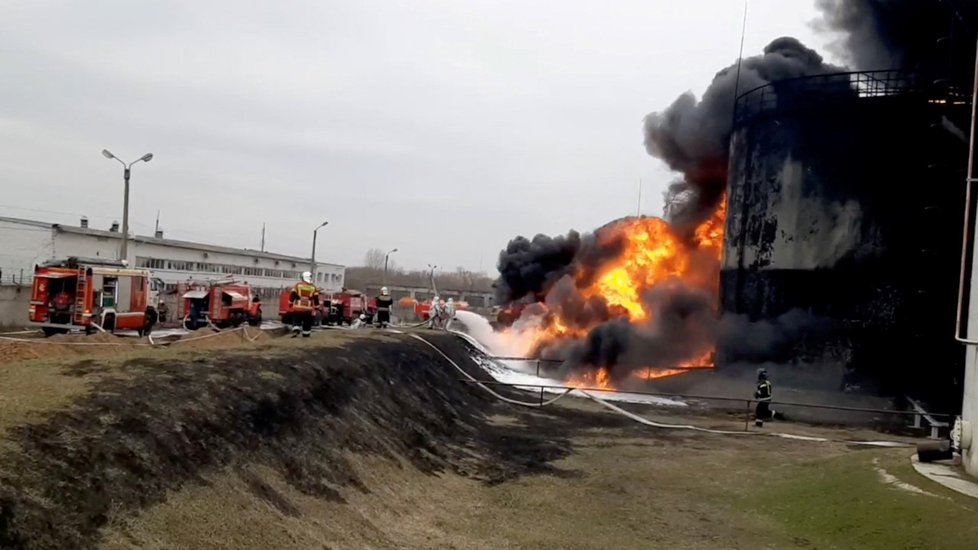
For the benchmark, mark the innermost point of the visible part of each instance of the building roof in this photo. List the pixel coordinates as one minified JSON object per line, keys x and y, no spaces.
{"x":22,"y":221}
{"x":166,"y":242}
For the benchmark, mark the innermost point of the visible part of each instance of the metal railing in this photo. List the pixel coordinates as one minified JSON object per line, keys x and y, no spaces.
{"x":823,"y":89}
{"x":918,"y":414}
{"x":915,"y":414}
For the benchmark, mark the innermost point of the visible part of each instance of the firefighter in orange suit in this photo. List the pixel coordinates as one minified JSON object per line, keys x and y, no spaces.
{"x":304,"y":300}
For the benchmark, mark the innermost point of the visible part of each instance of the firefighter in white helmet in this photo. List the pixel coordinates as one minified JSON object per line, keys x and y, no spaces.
{"x":304,"y":300}
{"x":449,"y":313}
{"x":384,"y":305}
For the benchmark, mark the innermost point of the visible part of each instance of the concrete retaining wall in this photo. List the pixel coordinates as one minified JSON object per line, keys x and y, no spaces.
{"x":14,"y":301}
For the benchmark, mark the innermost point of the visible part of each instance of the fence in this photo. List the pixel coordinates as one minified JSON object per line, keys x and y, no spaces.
{"x":809,"y":91}
{"x":16,"y":276}
{"x":918,"y":415}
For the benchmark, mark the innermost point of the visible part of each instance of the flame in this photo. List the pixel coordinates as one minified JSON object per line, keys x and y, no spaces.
{"x":598,"y":379}
{"x":651,"y":253}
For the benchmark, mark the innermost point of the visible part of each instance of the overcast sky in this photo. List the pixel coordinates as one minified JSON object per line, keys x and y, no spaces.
{"x":442,"y":128}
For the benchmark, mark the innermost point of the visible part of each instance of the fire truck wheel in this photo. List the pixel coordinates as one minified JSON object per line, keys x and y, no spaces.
{"x":237,"y":319}
{"x":109,"y":325}
{"x":256,"y":320}
{"x":51,"y":331}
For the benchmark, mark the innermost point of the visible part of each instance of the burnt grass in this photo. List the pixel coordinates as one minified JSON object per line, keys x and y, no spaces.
{"x":122,"y":447}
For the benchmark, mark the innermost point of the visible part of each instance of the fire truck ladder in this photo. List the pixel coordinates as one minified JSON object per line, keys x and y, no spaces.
{"x":80,"y":291}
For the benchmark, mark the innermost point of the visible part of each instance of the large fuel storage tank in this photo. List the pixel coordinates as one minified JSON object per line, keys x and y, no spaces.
{"x":845,"y":200}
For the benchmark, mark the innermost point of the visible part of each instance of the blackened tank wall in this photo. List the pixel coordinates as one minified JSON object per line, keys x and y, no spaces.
{"x":852,"y":211}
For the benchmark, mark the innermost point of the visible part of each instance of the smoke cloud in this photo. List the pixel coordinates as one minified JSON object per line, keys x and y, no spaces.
{"x":899,"y":34}
{"x":691,"y":136}
{"x":685,"y":326}
{"x":530,"y":267}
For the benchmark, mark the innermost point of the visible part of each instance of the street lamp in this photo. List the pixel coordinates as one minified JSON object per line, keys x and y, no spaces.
{"x":433,"y":289}
{"x":313,"y":259}
{"x":124,"y":249}
{"x":386,"y":257}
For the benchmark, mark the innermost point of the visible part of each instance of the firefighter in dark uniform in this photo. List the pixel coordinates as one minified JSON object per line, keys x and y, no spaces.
{"x":384,"y":305}
{"x":763,"y":395}
{"x":304,"y":300}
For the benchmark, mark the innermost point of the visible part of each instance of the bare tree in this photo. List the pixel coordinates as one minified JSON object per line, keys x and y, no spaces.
{"x":374,"y":259}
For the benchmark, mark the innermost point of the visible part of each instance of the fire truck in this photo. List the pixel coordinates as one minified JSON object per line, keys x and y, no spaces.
{"x":93,"y":294}
{"x":422,"y":309}
{"x":347,"y":306}
{"x":221,"y":304}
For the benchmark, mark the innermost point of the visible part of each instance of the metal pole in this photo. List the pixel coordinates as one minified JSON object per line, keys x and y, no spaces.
{"x":740,"y":61}
{"x":967,"y":240}
{"x":124,"y":250}
{"x":312,"y":267}
{"x":386,"y":257}
{"x":747,"y":418}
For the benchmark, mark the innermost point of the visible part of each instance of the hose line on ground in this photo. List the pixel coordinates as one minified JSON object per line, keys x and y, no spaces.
{"x":651,"y":423}
{"x":487,"y":388}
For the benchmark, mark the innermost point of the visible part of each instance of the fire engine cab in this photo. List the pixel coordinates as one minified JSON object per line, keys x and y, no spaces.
{"x":221,"y":304}
{"x":93,"y":294}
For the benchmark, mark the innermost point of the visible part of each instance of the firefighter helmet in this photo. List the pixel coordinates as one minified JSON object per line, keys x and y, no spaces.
{"x":762,"y":374}
{"x":384,"y":291}
{"x":307,"y":277}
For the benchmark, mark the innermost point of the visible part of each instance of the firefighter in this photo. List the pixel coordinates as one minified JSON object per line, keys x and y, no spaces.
{"x":434,"y":313}
{"x":449,"y":313}
{"x":384,"y":305}
{"x":162,"y":310}
{"x":359,"y":322}
{"x":304,"y":300}
{"x":763,"y":395}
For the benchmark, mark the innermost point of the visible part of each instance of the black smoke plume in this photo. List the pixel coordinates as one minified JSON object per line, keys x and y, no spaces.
{"x":685,"y":326}
{"x":530,"y":267}
{"x":931,"y":37}
{"x":692,"y":136}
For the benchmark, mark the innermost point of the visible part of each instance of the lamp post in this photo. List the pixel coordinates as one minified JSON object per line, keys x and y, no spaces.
{"x":433,"y":289}
{"x":386,"y":258}
{"x":313,"y":259}
{"x":127,"y":168}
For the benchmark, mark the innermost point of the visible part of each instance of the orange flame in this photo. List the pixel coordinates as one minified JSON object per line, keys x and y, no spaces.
{"x":652,"y":253}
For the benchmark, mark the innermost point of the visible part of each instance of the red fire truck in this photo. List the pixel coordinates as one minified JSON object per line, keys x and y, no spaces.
{"x":347,"y":306}
{"x":422,"y":309}
{"x":221,"y":304}
{"x":93,"y":294}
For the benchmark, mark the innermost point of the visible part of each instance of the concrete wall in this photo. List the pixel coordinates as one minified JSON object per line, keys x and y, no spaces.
{"x":22,"y":244}
{"x":14,"y":301}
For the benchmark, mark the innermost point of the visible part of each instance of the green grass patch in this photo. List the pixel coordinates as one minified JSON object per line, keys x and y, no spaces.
{"x":844,"y":503}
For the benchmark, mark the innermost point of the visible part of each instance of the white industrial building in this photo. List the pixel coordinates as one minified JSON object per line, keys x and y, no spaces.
{"x":25,"y":243}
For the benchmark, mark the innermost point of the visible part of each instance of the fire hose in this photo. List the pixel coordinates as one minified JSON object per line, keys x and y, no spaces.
{"x":152,"y":343}
{"x":651,"y":423}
